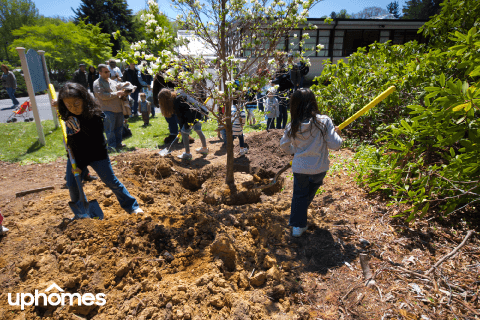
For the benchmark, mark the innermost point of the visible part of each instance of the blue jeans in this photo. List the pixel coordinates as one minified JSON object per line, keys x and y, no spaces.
{"x":104,"y":170}
{"x":283,"y":117}
{"x":304,"y":188}
{"x":241,"y":138}
{"x":134,"y":96}
{"x":113,"y":125}
{"x":173,"y":125}
{"x":11,"y":94}
{"x":270,"y":123}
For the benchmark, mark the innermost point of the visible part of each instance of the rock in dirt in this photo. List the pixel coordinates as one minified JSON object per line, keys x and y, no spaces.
{"x":269,"y":262}
{"x":27,"y":263}
{"x":258,"y":279}
{"x":217,"y":301}
{"x":122,"y":269}
{"x":274,"y":274}
{"x":223,"y":249}
{"x":243,"y":280}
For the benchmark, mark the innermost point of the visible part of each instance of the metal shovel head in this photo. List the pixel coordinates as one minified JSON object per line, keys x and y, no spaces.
{"x":92,"y":210}
{"x":164,"y":152}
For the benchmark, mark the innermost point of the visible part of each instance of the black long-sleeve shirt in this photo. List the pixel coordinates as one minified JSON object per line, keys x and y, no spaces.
{"x":185,"y":114}
{"x":89,"y":143}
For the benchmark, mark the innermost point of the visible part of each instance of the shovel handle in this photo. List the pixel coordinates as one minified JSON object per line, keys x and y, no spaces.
{"x":369,"y":106}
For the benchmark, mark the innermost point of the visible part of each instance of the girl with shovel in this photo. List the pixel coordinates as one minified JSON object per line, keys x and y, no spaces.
{"x":84,"y":123}
{"x":308,"y":136}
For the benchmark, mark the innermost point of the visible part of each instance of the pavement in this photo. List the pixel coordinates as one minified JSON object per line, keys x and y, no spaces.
{"x":43,"y":105}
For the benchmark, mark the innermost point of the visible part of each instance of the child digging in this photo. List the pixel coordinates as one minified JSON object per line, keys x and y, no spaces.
{"x":84,"y":121}
{"x":144,"y":109}
{"x":171,"y":103}
{"x":308,"y":136}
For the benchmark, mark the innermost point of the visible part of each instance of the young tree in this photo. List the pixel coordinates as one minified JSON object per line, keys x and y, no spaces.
{"x":370,"y":12}
{"x":112,"y":15}
{"x":13,"y":15}
{"x":65,"y":45}
{"x":243,"y":37}
{"x":393,"y":8}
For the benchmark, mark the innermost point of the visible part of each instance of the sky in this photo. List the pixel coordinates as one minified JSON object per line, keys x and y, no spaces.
{"x":62,"y":8}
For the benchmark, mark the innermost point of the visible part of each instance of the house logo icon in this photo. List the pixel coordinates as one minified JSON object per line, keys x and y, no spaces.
{"x":56,"y":298}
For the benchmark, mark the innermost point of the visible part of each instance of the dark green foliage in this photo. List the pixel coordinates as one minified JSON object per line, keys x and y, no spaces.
{"x":112,"y":15}
{"x":421,"y":9}
{"x":426,"y":135}
{"x":13,"y":15}
{"x":394,"y":8}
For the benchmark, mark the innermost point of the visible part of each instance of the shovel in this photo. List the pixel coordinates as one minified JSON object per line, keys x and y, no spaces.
{"x":274,"y":180}
{"x":82,"y":209}
{"x":166,"y":151}
{"x":369,"y":106}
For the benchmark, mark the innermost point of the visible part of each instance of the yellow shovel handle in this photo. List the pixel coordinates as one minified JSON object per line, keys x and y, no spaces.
{"x":369,"y":106}
{"x":53,"y":94}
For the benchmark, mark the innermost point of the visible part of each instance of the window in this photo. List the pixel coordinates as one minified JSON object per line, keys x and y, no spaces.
{"x":355,"y":39}
{"x":384,"y":36}
{"x":338,"y":43}
{"x":294,"y":40}
{"x":310,"y":44}
{"x":398,"y":37}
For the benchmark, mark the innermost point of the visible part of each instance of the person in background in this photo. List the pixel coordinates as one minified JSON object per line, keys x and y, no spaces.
{"x":144,"y":109}
{"x":282,"y":78}
{"x":84,"y":121}
{"x":308,"y":137}
{"x":80,"y":76}
{"x":109,"y":94}
{"x":147,"y":77}
{"x":91,"y":77}
{"x":3,"y":230}
{"x":295,"y":74}
{"x":134,"y":76}
{"x":271,"y":108}
{"x":172,"y":102}
{"x":238,"y":121}
{"x":10,"y":83}
{"x":304,"y":69}
{"x":251,"y":105}
{"x":115,"y":72}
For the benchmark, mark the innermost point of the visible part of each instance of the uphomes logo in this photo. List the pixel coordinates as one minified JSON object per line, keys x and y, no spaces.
{"x":56,"y":299}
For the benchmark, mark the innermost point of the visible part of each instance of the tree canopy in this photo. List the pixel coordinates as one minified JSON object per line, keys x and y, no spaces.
{"x":66,"y":45}
{"x":112,"y":15}
{"x":370,"y":12}
{"x":421,"y":9}
{"x":394,"y":8}
{"x":13,"y":15}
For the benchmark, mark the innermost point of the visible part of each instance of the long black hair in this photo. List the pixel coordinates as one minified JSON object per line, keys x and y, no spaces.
{"x":303,"y":106}
{"x":74,"y":90}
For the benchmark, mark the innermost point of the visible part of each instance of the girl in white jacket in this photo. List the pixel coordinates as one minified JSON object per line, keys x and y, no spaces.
{"x":308,"y":136}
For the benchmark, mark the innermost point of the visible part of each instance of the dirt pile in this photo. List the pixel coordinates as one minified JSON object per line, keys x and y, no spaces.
{"x":197,"y":253}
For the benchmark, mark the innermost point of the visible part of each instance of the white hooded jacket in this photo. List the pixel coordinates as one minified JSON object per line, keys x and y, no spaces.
{"x":310,"y":146}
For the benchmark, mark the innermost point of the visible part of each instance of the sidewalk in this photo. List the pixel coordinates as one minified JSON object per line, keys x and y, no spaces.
{"x":43,"y":105}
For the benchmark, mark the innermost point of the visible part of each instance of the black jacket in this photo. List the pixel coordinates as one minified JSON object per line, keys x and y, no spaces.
{"x":159,"y":83}
{"x":89,"y":143}
{"x":282,"y":78}
{"x":81,"y":78}
{"x":132,"y":77}
{"x":185,"y":114}
{"x":91,"y":78}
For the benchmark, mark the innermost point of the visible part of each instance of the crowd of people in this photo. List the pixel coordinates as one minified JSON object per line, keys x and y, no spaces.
{"x":115,"y":96}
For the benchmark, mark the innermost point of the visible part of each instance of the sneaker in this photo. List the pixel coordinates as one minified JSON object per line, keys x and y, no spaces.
{"x":89,"y":178}
{"x":136,"y":211}
{"x":243,"y":151}
{"x":202,"y":150}
{"x":297,"y":232}
{"x":185,"y":156}
{"x":3,"y":230}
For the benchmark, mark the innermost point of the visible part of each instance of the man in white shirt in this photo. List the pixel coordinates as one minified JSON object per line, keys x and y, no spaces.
{"x":115,"y":73}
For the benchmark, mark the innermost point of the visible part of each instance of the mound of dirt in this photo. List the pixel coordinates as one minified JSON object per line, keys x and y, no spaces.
{"x":203,"y":250}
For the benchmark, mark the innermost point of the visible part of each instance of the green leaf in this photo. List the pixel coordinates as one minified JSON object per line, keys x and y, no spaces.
{"x":406,"y":125}
{"x":442,"y":80}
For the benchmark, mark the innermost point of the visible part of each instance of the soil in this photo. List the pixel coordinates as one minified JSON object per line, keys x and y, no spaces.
{"x":205,"y":250}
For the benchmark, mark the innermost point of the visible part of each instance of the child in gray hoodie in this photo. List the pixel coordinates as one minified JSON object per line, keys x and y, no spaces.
{"x":308,"y":136}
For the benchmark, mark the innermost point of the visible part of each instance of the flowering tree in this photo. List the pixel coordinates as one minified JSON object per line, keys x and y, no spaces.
{"x":243,"y":36}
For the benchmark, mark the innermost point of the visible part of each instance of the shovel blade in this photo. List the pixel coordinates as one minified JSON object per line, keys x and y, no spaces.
{"x":164,"y":152}
{"x":91,"y":210}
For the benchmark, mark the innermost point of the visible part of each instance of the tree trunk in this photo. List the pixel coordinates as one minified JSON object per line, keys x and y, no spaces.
{"x":229,"y":178}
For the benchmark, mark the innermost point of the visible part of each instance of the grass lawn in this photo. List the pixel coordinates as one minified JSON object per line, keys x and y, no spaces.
{"x":19,"y":140}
